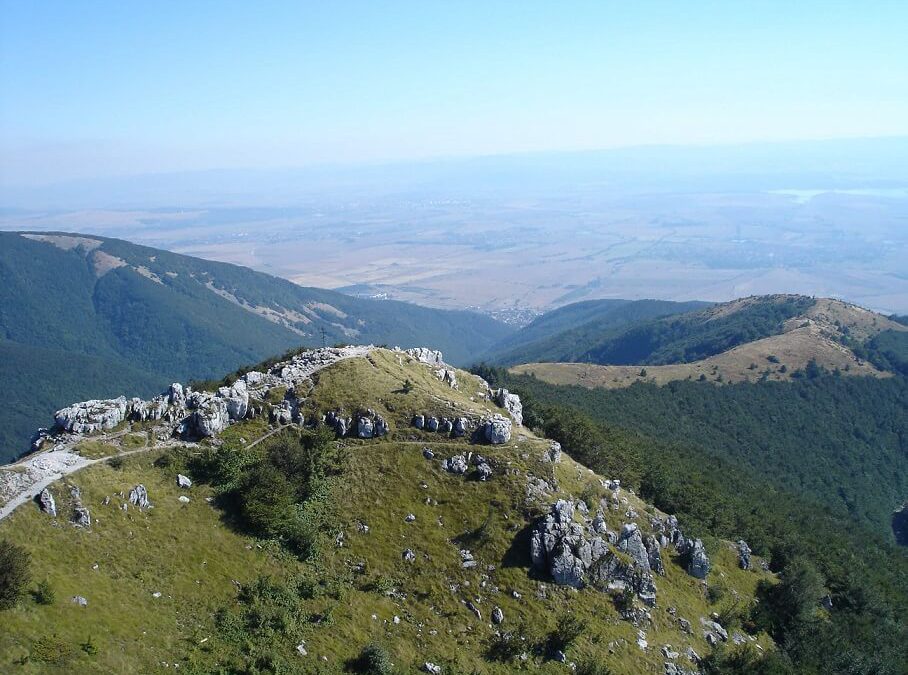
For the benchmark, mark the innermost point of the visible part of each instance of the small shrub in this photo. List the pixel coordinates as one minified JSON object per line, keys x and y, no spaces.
{"x":115,"y":462}
{"x":568,"y":629}
{"x":44,"y":593}
{"x":408,"y":386}
{"x":714,"y":594}
{"x":374,"y":660}
{"x":15,"y":574}
{"x":592,"y":667}
{"x":89,"y":647}
{"x":504,"y":647}
{"x":51,"y":649}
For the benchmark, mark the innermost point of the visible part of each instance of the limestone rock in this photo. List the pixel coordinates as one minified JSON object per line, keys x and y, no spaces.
{"x":511,"y":403}
{"x":743,"y":554}
{"x":497,"y":430}
{"x":484,"y":471}
{"x":432,"y":424}
{"x":47,"y":503}
{"x":236,"y":398}
{"x":138,"y":496}
{"x":90,"y":416}
{"x":425,"y":355}
{"x":210,"y":416}
{"x":419,"y":421}
{"x":497,"y":616}
{"x":365,"y":428}
{"x":460,"y":426}
{"x":183,"y":481}
{"x":456,"y":464}
{"x":697,"y":561}
{"x":80,"y":600}
{"x":553,"y":454}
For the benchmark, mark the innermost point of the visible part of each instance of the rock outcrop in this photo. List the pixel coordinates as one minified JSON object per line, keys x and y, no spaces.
{"x":47,"y":503}
{"x":433,"y":357}
{"x":91,"y":416}
{"x":511,"y":403}
{"x":743,"y":554}
{"x":698,"y":564}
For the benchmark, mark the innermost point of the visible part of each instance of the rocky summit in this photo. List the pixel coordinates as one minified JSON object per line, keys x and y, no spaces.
{"x":346,"y":502}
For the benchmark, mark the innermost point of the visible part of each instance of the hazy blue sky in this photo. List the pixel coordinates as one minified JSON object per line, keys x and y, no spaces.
{"x":97,"y":88}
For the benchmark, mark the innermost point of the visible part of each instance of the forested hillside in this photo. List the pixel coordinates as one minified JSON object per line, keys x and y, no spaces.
{"x":723,"y":464}
{"x":639,"y":339}
{"x":581,"y":322}
{"x":173,"y":317}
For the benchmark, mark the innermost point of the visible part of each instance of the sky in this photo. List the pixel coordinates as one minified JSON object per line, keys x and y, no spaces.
{"x":92,"y":89}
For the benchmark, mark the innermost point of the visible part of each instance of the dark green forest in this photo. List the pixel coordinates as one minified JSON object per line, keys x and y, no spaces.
{"x":813,"y":540}
{"x":585,"y":321}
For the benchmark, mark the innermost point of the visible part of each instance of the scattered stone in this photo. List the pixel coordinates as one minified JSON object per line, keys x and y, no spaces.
{"x":183,"y":481}
{"x":79,"y":600}
{"x":497,"y":616}
{"x":365,"y":428}
{"x":460,"y":427}
{"x":410,"y":518}
{"x":409,"y":555}
{"x":467,"y":560}
{"x":419,"y":421}
{"x":430,"y":667}
{"x":427,"y":453}
{"x":183,"y":499}
{"x":432,"y":424}
{"x":697,"y":561}
{"x":156,"y":594}
{"x":301,"y":649}
{"x":473,"y":608}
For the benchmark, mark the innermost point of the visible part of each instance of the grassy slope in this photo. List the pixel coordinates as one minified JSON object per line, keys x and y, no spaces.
{"x":164,"y":549}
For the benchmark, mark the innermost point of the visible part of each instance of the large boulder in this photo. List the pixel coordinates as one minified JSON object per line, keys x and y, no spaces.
{"x":497,"y":430}
{"x":176,"y":395}
{"x":237,"y":398}
{"x":456,"y":464}
{"x":210,"y":416}
{"x":511,"y":403}
{"x":419,"y":421}
{"x":365,"y":428}
{"x":631,"y":542}
{"x":743,"y":554}
{"x":698,"y":564}
{"x":460,"y":426}
{"x":138,"y":496}
{"x":47,"y":503}
{"x":90,"y":416}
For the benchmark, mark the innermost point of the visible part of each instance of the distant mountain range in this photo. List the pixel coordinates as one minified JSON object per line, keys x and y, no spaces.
{"x":84,"y":316}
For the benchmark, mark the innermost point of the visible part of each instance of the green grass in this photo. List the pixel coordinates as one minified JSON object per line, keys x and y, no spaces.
{"x":190,"y":554}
